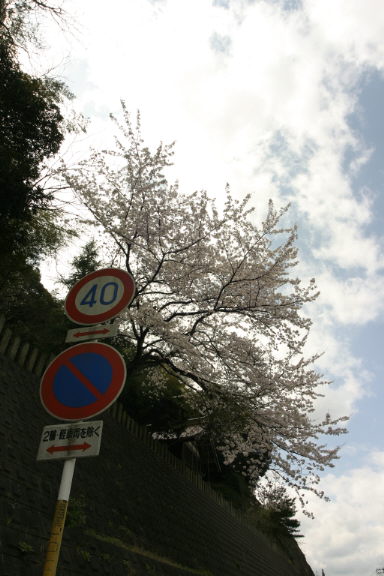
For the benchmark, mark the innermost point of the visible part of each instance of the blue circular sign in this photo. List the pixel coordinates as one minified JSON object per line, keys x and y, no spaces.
{"x":82,"y":381}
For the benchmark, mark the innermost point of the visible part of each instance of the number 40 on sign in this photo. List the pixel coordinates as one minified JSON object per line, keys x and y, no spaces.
{"x":100,"y":296}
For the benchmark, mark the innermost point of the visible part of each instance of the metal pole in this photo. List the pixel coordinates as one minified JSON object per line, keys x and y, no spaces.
{"x":57,"y":529}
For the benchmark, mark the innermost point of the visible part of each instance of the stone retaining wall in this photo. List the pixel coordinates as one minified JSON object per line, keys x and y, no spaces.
{"x":135,"y":510}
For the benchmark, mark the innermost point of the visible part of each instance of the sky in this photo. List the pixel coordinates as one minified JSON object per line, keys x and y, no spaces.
{"x":283,"y":99}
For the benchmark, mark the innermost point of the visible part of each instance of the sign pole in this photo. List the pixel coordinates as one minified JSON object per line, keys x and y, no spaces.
{"x":57,"y":529}
{"x":83,"y":381}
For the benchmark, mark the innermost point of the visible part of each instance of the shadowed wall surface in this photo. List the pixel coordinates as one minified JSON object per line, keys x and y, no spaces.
{"x":134,"y":510}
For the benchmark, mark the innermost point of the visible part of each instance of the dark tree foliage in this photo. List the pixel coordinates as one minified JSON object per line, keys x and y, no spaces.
{"x":30,"y":131}
{"x":165,"y":411}
{"x":284,"y":515}
{"x":275,"y":513}
{"x":32,"y":312}
{"x":16,"y":25}
{"x":85,"y":263}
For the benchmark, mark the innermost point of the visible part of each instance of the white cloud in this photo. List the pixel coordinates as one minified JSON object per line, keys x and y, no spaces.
{"x":351,"y":27}
{"x":351,"y":300}
{"x":282,"y":74}
{"x":348,"y":248}
{"x":345,"y":539}
{"x":349,"y":381}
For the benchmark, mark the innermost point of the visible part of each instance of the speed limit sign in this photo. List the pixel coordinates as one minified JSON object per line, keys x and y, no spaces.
{"x":99,"y":296}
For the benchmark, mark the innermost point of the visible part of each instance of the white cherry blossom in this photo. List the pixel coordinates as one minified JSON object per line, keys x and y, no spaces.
{"x":217,"y":304}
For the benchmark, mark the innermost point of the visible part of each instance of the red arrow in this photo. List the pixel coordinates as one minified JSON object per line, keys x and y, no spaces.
{"x":80,"y":334}
{"x":82,"y":447}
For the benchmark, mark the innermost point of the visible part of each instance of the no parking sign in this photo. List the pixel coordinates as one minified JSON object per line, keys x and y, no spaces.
{"x":82,"y":381}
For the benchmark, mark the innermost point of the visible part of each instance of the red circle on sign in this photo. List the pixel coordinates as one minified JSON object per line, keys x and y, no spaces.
{"x":92,"y":288}
{"x":82,"y":381}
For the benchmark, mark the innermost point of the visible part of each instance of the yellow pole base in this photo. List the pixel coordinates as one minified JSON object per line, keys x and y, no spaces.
{"x":54,"y":545}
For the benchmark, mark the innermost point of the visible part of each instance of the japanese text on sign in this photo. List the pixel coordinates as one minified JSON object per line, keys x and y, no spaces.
{"x":78,"y":439}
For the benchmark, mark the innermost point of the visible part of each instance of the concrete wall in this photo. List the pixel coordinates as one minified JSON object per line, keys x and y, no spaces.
{"x":135,"y":510}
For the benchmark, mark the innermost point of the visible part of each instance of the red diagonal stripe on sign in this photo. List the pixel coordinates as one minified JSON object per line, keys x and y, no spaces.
{"x":84,"y":380}
{"x":69,"y":447}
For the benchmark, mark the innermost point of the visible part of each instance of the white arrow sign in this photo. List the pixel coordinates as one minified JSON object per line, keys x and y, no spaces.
{"x":92,"y":332}
{"x":76,"y":440}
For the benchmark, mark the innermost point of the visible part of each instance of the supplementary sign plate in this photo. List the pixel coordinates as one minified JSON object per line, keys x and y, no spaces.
{"x":92,"y":332}
{"x":99,"y":296}
{"x":82,"y":381}
{"x":75,"y":440}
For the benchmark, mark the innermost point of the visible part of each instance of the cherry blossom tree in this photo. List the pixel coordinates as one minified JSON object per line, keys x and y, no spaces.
{"x":216,"y":304}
